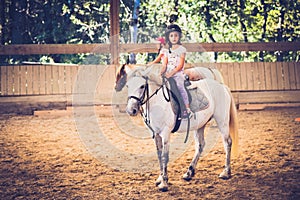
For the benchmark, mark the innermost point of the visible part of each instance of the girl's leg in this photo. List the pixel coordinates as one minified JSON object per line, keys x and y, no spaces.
{"x":180,"y":85}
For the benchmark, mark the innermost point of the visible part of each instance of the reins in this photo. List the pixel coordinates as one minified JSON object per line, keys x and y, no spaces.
{"x":142,"y":101}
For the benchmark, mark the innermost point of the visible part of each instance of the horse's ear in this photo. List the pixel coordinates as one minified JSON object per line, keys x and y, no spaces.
{"x":123,"y":67}
{"x":120,"y":69}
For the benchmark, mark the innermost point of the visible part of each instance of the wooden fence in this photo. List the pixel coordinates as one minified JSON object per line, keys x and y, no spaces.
{"x":262,"y":82}
{"x":59,"y":79}
{"x":252,"y":82}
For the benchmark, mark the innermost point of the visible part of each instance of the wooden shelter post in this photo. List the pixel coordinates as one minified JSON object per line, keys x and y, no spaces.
{"x":114,"y":32}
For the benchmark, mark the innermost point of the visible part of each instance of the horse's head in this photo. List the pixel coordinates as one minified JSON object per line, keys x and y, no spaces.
{"x":121,"y":78}
{"x":124,"y":71}
{"x":137,"y":87}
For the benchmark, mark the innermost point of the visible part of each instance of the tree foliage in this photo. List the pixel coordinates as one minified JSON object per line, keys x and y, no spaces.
{"x":74,"y":21}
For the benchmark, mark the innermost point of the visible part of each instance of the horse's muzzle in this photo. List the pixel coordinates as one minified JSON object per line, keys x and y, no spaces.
{"x":132,"y":112}
{"x":132,"y":107}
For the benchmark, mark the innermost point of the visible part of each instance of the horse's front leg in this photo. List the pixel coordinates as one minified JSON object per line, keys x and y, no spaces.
{"x":199,"y":146}
{"x":162,"y":145}
{"x":159,"y":147}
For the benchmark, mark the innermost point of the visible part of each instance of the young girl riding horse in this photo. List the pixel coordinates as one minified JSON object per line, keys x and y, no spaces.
{"x":173,"y":64}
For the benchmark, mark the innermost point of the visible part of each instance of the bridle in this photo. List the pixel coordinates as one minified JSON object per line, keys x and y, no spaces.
{"x":144,"y":99}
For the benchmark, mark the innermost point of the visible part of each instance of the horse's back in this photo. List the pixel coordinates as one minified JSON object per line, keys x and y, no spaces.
{"x":215,"y":91}
{"x":198,"y":73}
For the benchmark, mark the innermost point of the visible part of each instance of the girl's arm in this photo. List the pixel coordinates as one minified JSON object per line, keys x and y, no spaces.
{"x":164,"y":67}
{"x":157,"y":60}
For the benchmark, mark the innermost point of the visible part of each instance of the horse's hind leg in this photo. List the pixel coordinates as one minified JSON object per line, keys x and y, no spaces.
{"x":226,"y":174}
{"x":199,"y":146}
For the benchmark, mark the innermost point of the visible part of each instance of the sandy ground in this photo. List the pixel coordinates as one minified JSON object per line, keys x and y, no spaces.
{"x":44,"y":157}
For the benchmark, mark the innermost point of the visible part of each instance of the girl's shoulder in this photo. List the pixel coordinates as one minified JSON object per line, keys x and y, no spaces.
{"x":164,"y":51}
{"x":181,"y":49}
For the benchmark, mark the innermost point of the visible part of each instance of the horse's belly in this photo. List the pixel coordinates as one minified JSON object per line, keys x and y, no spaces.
{"x":197,"y":121}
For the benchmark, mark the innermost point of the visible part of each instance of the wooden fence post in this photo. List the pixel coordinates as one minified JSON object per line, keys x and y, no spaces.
{"x":114,"y":32}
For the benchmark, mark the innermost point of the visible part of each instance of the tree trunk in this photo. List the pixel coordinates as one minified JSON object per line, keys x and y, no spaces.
{"x":241,"y":20}
{"x":2,"y":22}
{"x":264,"y":28}
{"x":2,"y":27}
{"x":208,"y":18}
{"x":134,"y":28}
{"x":279,"y":55}
{"x":18,"y":15}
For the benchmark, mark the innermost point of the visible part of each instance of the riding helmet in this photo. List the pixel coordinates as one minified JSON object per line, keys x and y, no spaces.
{"x":171,"y":28}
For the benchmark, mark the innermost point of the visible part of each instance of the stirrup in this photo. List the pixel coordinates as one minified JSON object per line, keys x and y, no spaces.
{"x":187,"y":114}
{"x":191,"y":114}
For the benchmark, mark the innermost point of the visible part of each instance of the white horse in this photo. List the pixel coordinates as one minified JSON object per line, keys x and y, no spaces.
{"x":162,"y":118}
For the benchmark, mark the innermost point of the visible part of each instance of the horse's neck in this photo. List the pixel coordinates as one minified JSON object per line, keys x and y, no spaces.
{"x":159,"y":96}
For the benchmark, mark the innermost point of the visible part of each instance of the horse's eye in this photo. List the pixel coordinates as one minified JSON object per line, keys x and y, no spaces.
{"x":142,"y":87}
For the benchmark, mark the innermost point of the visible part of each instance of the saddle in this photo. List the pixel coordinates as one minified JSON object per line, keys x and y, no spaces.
{"x":197,"y":99}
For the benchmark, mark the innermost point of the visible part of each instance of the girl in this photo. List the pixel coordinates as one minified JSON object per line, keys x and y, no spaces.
{"x":173,"y":64}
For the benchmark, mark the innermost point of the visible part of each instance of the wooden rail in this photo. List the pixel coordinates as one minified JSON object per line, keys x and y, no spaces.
{"x":31,"y":80}
{"x":28,"y":49}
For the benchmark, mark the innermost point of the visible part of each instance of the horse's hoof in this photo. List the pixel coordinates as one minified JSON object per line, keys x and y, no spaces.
{"x":225,"y":175}
{"x":158,"y":180}
{"x":189,"y":174}
{"x":162,"y":187}
{"x":187,"y":177}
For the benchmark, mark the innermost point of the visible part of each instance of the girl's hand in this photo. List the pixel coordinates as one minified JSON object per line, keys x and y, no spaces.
{"x":170,"y":74}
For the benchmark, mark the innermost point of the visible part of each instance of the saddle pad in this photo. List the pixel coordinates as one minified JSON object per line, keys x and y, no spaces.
{"x":199,"y":100}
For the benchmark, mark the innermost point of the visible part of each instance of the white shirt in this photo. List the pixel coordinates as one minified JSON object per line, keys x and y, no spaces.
{"x":174,"y":57}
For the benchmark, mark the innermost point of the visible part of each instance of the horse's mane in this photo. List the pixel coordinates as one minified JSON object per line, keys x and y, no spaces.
{"x":152,"y":73}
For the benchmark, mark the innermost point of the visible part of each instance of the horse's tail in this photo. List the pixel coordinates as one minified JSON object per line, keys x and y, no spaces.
{"x":233,"y":127}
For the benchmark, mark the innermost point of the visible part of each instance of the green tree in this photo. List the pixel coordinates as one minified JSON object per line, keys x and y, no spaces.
{"x":74,"y":21}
